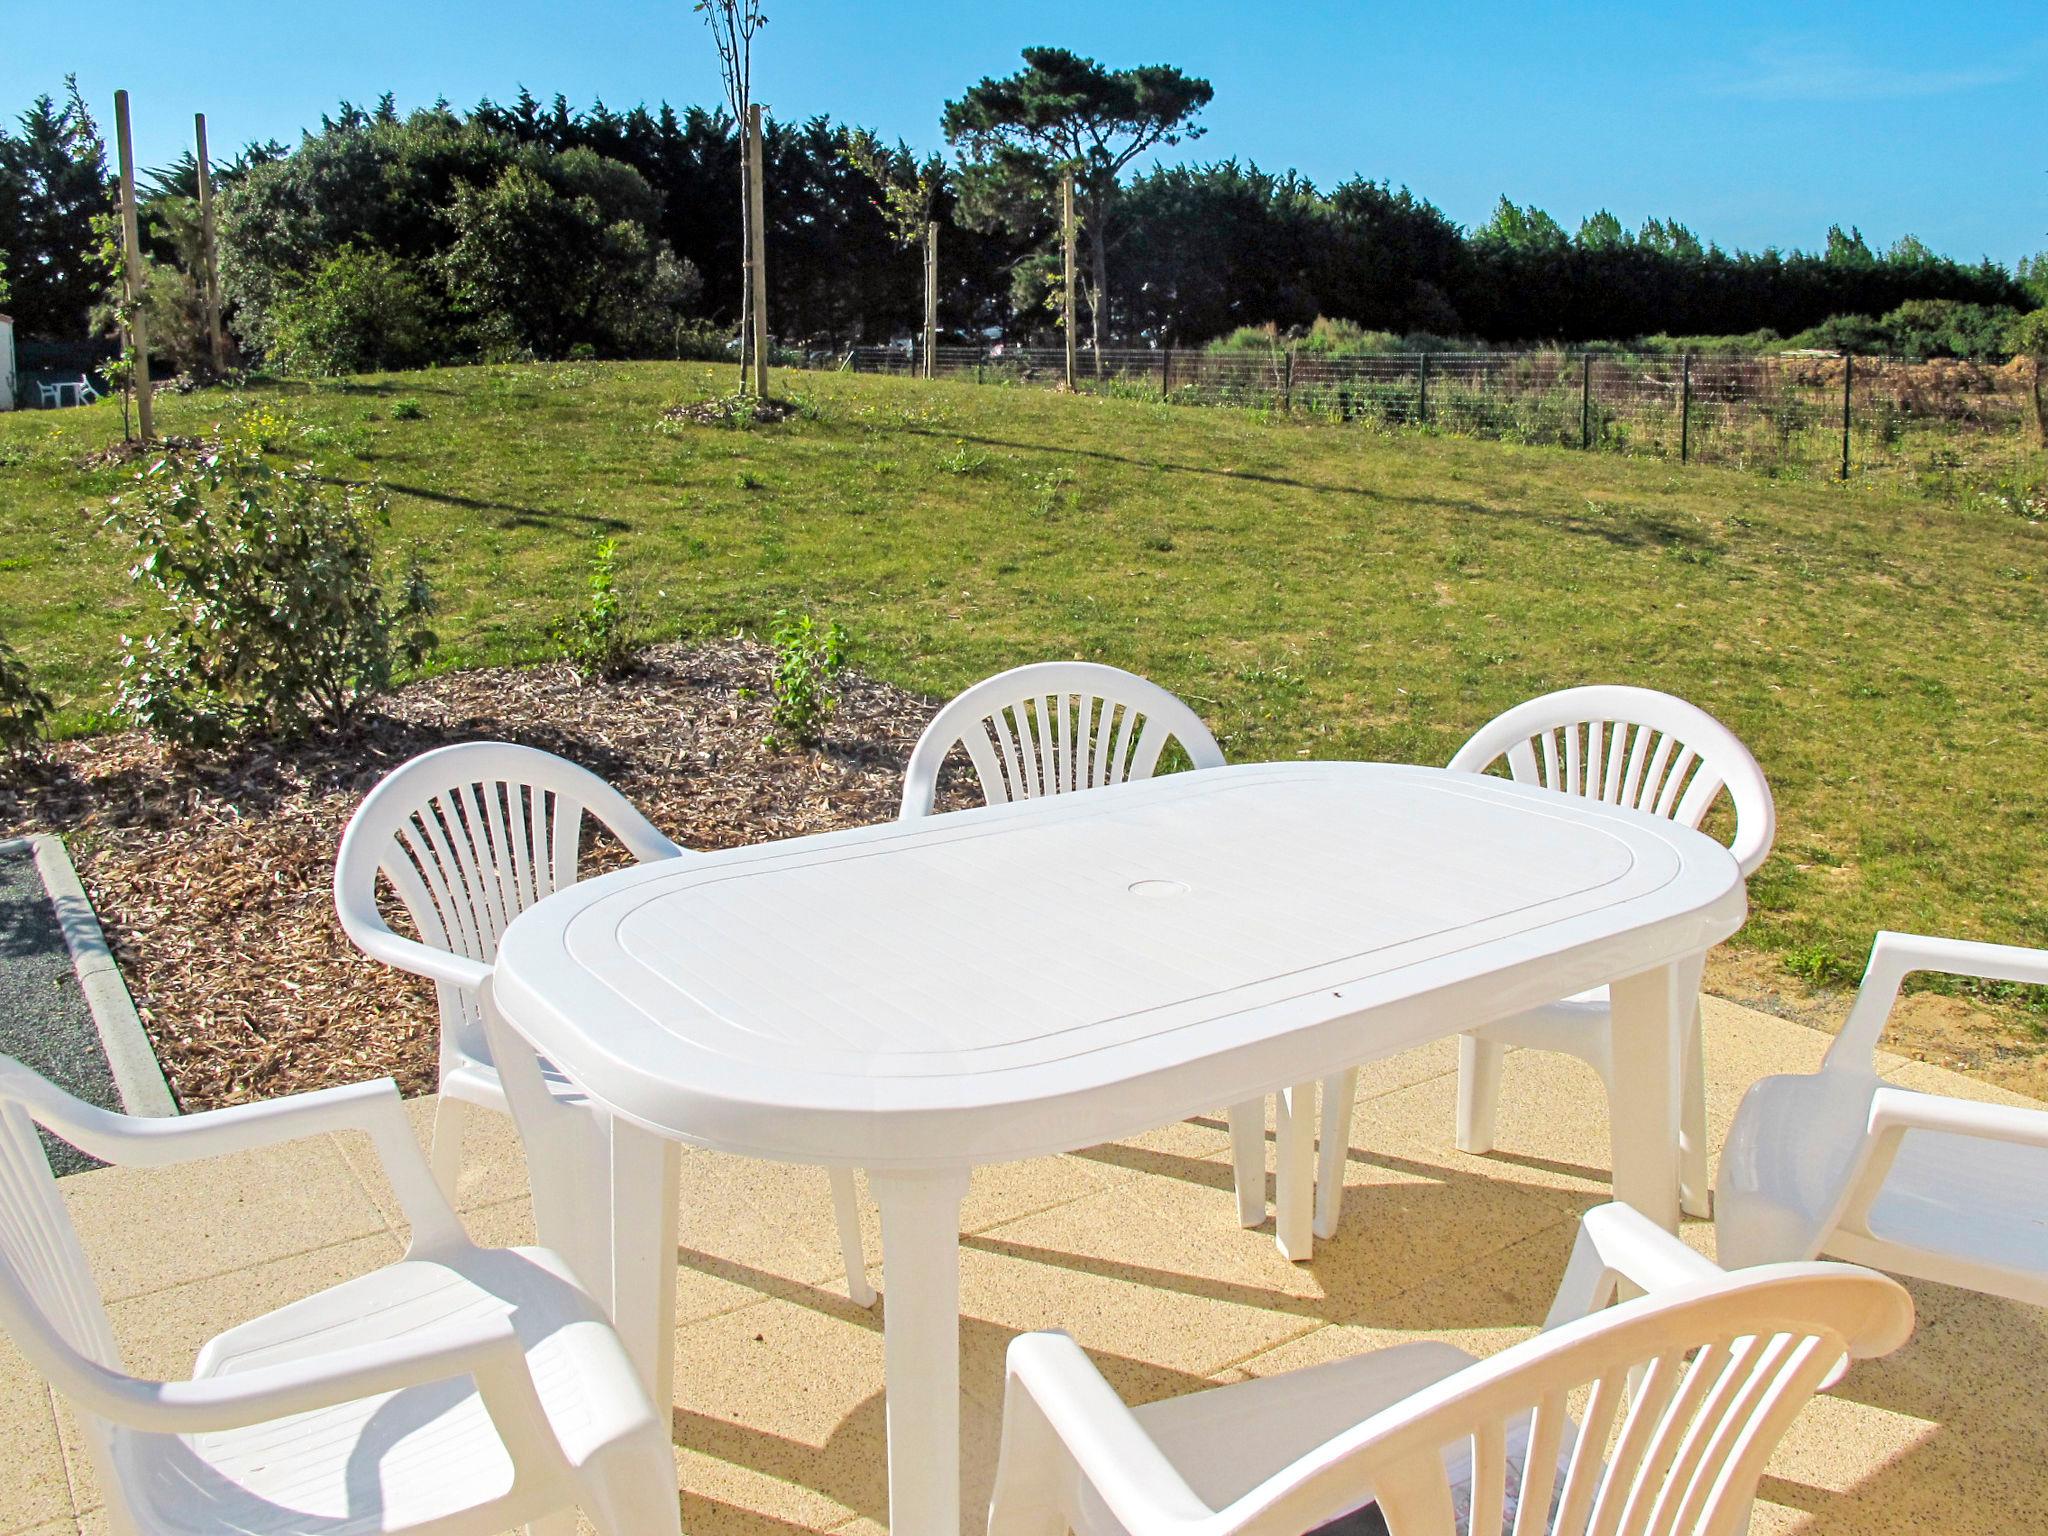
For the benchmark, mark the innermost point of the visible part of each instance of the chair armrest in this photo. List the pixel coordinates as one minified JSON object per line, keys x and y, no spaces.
{"x":1895,"y":956}
{"x":1057,"y":1402}
{"x":1894,"y":1111}
{"x":1617,"y":1243}
{"x":395,"y":950}
{"x":485,"y":1349}
{"x":136,"y":1141}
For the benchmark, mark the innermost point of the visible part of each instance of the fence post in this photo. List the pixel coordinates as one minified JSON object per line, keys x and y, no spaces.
{"x":1848,"y":379}
{"x":1287,"y":381}
{"x":1166,"y":373}
{"x":1685,"y":409}
{"x":1585,"y":400}
{"x":1422,"y":391}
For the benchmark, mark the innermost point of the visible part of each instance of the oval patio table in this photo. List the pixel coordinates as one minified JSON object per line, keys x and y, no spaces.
{"x":919,"y":998}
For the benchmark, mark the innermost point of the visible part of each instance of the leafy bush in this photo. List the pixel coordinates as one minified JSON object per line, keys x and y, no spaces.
{"x":2028,"y":337}
{"x":806,"y":660}
{"x":274,"y":614}
{"x":362,"y":311}
{"x":594,"y":642}
{"x":1918,"y":328}
{"x":407,"y":408}
{"x":24,"y":708}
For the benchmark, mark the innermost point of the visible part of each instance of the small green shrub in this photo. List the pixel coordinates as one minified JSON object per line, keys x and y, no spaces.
{"x":274,"y":614}
{"x":24,"y":708}
{"x":806,"y":660}
{"x":407,"y":409}
{"x":1818,"y":965}
{"x":964,"y":460}
{"x":595,"y":642}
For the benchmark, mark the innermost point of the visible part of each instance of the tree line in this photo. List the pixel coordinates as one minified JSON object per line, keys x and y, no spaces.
{"x":387,"y":239}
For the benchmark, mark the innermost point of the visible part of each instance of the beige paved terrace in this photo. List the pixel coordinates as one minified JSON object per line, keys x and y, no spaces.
{"x":1132,"y":1247}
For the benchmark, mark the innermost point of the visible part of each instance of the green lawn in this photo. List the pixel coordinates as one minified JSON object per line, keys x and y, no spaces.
{"x":1314,"y":589}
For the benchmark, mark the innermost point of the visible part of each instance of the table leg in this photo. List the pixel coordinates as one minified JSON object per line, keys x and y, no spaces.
{"x":921,"y":1345}
{"x":646,"y":1175}
{"x":1248,"y":1160}
{"x":1650,"y":1012}
{"x":1294,"y":1189}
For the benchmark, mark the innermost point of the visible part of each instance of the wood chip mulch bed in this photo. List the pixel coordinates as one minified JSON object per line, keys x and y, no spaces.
{"x":213,"y":875}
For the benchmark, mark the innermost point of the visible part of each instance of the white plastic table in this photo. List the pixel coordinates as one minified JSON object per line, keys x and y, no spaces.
{"x":921,"y":997}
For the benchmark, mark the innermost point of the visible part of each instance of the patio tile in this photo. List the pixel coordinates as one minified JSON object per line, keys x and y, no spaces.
{"x":1130,"y":1275}
{"x":147,"y":1229}
{"x":1133,"y":1248}
{"x":493,"y":1162}
{"x":780,"y":1417}
{"x":34,"y":1487}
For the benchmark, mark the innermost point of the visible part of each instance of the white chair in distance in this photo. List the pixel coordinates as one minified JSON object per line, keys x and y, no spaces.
{"x":1053,"y":727}
{"x":1840,"y":1162}
{"x":468,"y":836}
{"x":1692,"y":1385}
{"x":1631,"y":747}
{"x":460,"y":1390}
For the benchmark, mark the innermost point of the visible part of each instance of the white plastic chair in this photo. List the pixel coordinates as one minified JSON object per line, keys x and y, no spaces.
{"x":1632,"y":747}
{"x":469,"y":836}
{"x":1691,"y":1387}
{"x":460,"y":1390}
{"x":1839,"y":1162}
{"x":1053,"y":727}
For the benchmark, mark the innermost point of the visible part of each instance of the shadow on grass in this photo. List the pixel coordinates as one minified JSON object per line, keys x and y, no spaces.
{"x":1637,"y":529}
{"x":522,"y":516}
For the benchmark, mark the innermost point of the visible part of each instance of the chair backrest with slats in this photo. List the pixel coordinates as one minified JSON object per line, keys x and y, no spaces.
{"x":1632,"y":747}
{"x":1054,"y":727}
{"x":1685,"y":1394}
{"x":47,"y":1291}
{"x":469,"y":836}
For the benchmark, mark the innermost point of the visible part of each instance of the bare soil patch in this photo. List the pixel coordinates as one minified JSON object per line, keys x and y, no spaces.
{"x":212,"y":875}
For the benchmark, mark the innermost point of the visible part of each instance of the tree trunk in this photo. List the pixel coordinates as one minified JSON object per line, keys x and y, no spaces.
{"x":2041,"y":401}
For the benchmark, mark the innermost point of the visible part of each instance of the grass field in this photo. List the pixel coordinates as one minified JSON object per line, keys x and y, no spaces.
{"x":1314,"y":589}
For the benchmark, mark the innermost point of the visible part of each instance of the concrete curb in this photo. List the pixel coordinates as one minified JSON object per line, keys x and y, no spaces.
{"x":137,"y":1077}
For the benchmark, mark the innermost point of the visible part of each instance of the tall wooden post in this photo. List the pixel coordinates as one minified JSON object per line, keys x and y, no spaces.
{"x":131,"y":245}
{"x":759,"y":250}
{"x":209,"y":275}
{"x":1586,"y":400}
{"x":1685,"y":410}
{"x":931,"y":299}
{"x":1848,"y":384}
{"x":1067,"y":267}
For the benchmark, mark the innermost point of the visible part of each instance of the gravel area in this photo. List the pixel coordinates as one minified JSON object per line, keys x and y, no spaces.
{"x":44,"y":1021}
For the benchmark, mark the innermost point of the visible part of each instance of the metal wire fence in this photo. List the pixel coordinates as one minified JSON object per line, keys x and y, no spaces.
{"x":1797,"y":415}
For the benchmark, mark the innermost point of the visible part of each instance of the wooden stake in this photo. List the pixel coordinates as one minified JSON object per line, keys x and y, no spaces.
{"x":209,"y":261}
{"x":1067,"y":266}
{"x":931,"y":299}
{"x":131,"y":244}
{"x":760,"y":251}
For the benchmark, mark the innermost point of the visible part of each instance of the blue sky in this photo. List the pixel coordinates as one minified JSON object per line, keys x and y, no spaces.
{"x":1757,"y":124}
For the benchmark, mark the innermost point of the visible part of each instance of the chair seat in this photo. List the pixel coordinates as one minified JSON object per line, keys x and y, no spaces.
{"x":1576,"y":1025}
{"x":400,"y":1458}
{"x":1962,"y":1210}
{"x":1227,"y":1440}
{"x":1959,"y":1199}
